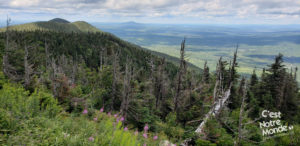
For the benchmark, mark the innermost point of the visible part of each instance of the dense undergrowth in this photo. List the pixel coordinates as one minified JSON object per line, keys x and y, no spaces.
{"x":95,"y":89}
{"x":37,"y":119}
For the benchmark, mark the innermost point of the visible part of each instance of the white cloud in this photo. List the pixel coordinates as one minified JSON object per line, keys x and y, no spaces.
{"x":24,"y":3}
{"x":194,"y":9}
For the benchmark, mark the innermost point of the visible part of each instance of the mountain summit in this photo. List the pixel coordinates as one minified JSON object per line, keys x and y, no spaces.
{"x":56,"y":24}
{"x":59,"y":20}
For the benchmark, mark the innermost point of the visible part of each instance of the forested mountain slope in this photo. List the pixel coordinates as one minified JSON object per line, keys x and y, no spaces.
{"x":56,"y":24}
{"x":62,"y":25}
{"x":89,"y":86}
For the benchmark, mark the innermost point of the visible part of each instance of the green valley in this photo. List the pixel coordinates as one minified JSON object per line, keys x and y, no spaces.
{"x":258,"y":44}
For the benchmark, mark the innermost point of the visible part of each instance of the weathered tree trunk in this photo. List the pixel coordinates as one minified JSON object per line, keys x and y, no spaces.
{"x":220,"y":95}
{"x":47,"y":56}
{"x":27,"y":68}
{"x":105,"y":61}
{"x":74,"y":71}
{"x":215,"y":110}
{"x":54,"y":77}
{"x":5,"y":56}
{"x":160,"y":83}
{"x":219,"y":79}
{"x":233,"y":65}
{"x":238,"y":143}
{"x":152,"y":72}
{"x":180,"y":76}
{"x":75,"y":66}
{"x":126,"y":91}
{"x":115,"y":79}
{"x":8,"y":70}
{"x":101,"y":58}
{"x":63,"y":63}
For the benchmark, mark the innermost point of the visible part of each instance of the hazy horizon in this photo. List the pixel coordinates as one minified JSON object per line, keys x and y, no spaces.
{"x":16,"y":22}
{"x":156,"y":11}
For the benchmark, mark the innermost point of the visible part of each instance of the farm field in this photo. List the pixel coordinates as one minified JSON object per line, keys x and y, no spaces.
{"x":258,"y":44}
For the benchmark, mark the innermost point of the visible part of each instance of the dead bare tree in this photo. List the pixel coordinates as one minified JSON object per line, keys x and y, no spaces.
{"x":28,"y":70}
{"x":179,"y":81}
{"x":105,"y":53}
{"x":101,"y":58}
{"x":152,"y":80}
{"x":74,"y":70}
{"x":160,"y":83}
{"x":8,"y":69}
{"x":218,"y":89}
{"x":115,"y":79}
{"x":242,"y":108}
{"x":47,"y":55}
{"x":126,"y":89}
{"x":54,"y":77}
{"x":221,"y":96}
{"x":241,"y":133}
{"x":5,"y":55}
{"x":233,"y":66}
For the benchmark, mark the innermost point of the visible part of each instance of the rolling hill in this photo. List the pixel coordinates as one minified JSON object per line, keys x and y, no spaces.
{"x":56,"y":24}
{"x":62,"y":25}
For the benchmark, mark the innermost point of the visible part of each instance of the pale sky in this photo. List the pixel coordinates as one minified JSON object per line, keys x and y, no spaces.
{"x":156,"y":11}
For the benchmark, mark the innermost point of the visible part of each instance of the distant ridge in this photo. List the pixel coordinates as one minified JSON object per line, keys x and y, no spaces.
{"x":131,"y":22}
{"x":56,"y":24}
{"x":132,"y":25}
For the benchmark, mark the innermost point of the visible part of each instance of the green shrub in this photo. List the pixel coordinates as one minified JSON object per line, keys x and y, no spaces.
{"x":7,"y":122}
{"x":201,"y":142}
{"x":45,"y":102}
{"x":13,"y":98}
{"x":170,"y":128}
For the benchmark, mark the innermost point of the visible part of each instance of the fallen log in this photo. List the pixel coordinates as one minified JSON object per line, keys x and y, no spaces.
{"x":215,"y":110}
